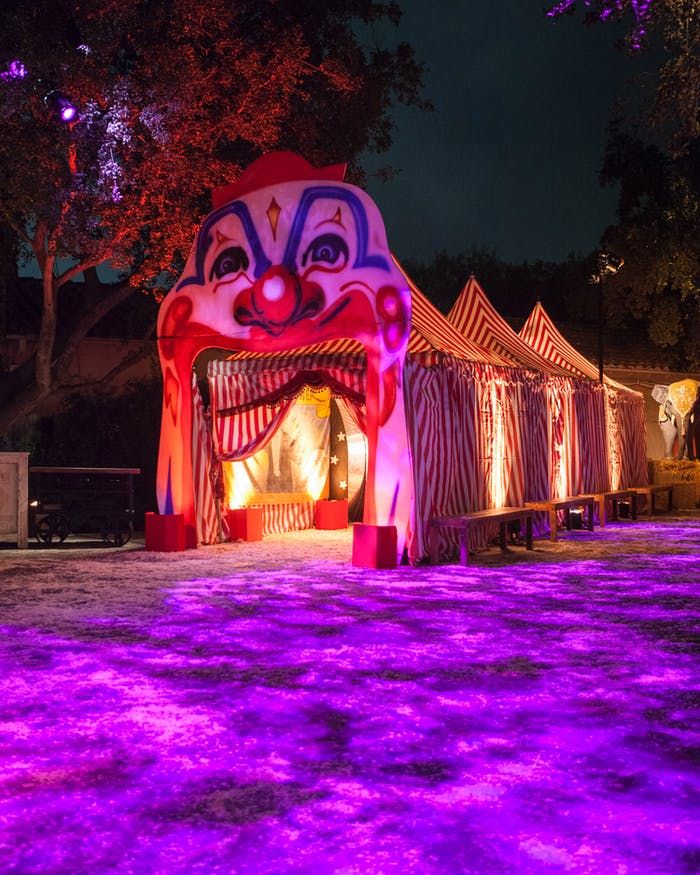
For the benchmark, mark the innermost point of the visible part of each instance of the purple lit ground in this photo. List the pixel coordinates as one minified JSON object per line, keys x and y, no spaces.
{"x":267,"y":708}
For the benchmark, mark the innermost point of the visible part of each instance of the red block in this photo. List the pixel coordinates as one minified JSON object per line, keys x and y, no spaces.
{"x":331,"y":514}
{"x":245,"y":524}
{"x":166,"y":532}
{"x":373,"y":546}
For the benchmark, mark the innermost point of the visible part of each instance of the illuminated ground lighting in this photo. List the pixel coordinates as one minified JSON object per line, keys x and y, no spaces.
{"x":208,"y":712}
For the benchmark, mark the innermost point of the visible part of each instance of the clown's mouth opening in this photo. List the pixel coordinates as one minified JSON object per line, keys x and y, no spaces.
{"x":300,"y":442}
{"x":318,"y":452}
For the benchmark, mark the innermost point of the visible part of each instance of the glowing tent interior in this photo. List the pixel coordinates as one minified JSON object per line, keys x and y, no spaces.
{"x":291,"y":273}
{"x":595,"y":433}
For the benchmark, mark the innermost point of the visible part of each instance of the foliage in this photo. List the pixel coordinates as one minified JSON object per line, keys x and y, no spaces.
{"x":655,"y":160}
{"x":513,"y":289}
{"x":658,"y":235}
{"x":173,"y":98}
{"x":674,"y":27}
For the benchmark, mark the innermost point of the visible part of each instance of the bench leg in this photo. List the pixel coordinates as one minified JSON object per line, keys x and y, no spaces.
{"x":502,"y":536}
{"x":670,"y":499}
{"x":614,"y":509}
{"x":552,"y":525}
{"x":464,"y":545}
{"x":601,"y":511}
{"x":633,"y":506}
{"x":567,"y":519}
{"x":528,"y":533}
{"x":434,"y":544}
{"x":591,"y":515}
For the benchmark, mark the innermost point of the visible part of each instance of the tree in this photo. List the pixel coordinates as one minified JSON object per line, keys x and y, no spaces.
{"x":673,"y":26}
{"x":658,"y":235}
{"x":513,"y":289}
{"x":119,"y":117}
{"x":654,"y":157}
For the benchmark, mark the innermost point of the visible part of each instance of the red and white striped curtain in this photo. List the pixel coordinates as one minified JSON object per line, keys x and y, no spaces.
{"x":589,"y":398}
{"x":204,"y":471}
{"x":500,"y":435}
{"x":532,"y":406}
{"x":250,"y":398}
{"x":565,"y":471}
{"x":441,"y":416}
{"x":626,"y":435}
{"x":472,"y":443}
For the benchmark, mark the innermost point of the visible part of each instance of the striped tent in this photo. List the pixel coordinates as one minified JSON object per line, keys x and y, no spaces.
{"x":569,"y":454}
{"x":623,"y":420}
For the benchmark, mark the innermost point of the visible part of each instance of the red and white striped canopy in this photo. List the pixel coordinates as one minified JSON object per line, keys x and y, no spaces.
{"x":431,"y":331}
{"x":474,"y":316}
{"x":544,"y":337}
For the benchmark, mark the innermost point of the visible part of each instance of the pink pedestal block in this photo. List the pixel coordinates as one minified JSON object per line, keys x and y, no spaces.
{"x":165,"y":533}
{"x":331,"y":514}
{"x":245,"y":524}
{"x":373,"y":546}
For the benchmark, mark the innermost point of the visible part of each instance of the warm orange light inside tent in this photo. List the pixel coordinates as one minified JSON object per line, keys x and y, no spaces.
{"x":613,"y":443}
{"x":245,"y":480}
{"x":498,"y":452}
{"x":562,"y":484}
{"x":238,"y":486}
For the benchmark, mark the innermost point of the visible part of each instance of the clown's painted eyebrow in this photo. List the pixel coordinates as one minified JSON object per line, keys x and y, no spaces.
{"x":221,"y":238}
{"x":337,"y":219}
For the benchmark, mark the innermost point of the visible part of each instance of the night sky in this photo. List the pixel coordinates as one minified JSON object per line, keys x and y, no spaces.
{"x":510,"y":157}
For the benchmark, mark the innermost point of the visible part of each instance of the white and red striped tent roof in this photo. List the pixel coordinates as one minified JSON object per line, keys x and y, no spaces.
{"x":475,"y":317}
{"x":544,"y":337}
{"x":431,"y":332}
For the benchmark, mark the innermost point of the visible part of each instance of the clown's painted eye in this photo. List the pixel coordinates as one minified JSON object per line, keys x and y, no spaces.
{"x":326,"y":249}
{"x":231,"y":260}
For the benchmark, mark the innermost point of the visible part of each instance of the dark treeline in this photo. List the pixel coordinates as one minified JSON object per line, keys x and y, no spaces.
{"x":564,"y":288}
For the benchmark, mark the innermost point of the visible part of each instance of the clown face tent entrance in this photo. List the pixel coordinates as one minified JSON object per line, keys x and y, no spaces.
{"x":292,"y":273}
{"x":290,"y":255}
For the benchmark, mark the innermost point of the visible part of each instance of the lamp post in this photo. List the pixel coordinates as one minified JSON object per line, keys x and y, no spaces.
{"x":607,"y":263}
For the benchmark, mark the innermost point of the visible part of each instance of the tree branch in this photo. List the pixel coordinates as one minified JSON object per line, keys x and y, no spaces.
{"x":88,"y":321}
{"x":146,"y":347}
{"x":72,"y":272}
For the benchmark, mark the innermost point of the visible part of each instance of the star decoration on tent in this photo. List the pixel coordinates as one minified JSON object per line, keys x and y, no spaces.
{"x":343,"y":484}
{"x":334,"y":460}
{"x":340,"y":436}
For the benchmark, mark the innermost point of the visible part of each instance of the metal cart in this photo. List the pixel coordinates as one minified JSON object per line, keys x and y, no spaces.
{"x":65,"y":501}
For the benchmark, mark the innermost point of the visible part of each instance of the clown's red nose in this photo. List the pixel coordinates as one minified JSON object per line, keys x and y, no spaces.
{"x":277,"y":294}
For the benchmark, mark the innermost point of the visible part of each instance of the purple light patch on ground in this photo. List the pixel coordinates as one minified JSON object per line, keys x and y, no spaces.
{"x":209,"y":712}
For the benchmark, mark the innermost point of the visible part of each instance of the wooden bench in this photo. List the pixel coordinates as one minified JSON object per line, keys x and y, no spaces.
{"x":650,"y":492}
{"x":552,"y":505}
{"x":615,"y":496}
{"x":500,"y":515}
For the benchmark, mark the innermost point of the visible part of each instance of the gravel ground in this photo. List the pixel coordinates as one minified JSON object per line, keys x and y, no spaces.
{"x":267,"y":708}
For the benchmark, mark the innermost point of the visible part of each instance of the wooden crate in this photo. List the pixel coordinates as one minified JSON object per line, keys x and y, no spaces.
{"x":14,"y":499}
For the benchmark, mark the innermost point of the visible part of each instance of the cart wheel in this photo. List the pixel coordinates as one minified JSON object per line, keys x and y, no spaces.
{"x":53,"y":527}
{"x":117,"y":531}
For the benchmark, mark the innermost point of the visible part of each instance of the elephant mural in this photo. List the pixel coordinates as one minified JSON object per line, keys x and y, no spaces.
{"x":676,"y":402}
